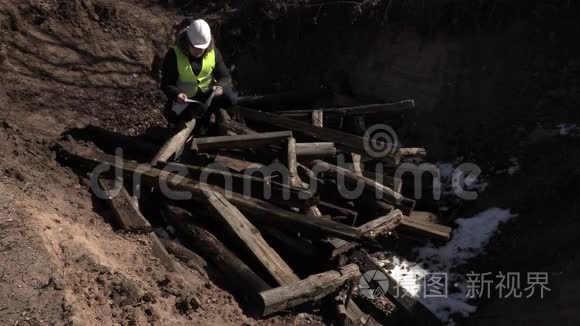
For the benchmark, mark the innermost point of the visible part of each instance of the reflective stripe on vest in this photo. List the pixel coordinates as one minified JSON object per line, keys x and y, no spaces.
{"x":188,"y":82}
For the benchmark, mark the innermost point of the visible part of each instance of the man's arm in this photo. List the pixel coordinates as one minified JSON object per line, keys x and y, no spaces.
{"x":221,"y":72}
{"x":170,"y":75}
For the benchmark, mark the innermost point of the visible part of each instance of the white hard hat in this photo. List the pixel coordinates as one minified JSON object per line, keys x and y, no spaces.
{"x":199,"y":34}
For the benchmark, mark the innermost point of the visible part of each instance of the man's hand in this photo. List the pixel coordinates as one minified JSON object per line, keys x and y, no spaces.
{"x":218,"y":90}
{"x":181,"y":98}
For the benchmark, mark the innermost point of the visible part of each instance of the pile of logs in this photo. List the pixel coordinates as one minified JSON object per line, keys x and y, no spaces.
{"x":277,"y":242}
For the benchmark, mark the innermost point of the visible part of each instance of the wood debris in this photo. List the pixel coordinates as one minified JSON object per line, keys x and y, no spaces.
{"x":259,"y":202}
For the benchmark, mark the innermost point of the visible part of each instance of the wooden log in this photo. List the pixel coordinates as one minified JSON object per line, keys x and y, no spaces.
{"x":129,"y":218}
{"x":414,"y":170}
{"x":388,"y":194}
{"x":240,"y":141}
{"x":356,"y":164}
{"x":110,"y":141}
{"x":250,"y":238}
{"x":318,"y":118}
{"x":412,"y":152}
{"x":127,"y":215}
{"x":159,"y":251}
{"x":394,"y":183}
{"x":190,"y":258}
{"x":234,"y":163}
{"x":228,"y":126}
{"x":316,"y":149}
{"x":294,"y":244}
{"x":425,"y":229}
{"x":174,"y":144}
{"x":349,"y":314}
{"x":350,"y":142}
{"x":372,"y":229}
{"x":395,"y":107}
{"x":425,"y":217}
{"x":259,"y":210}
{"x":382,"y":225}
{"x":420,"y":314}
{"x":313,"y":288}
{"x":238,"y":275}
{"x":231,"y":127}
{"x":352,"y":315}
{"x":292,"y":163}
{"x":294,"y":178}
{"x":243,"y":183}
{"x":338,"y":210}
{"x":358,"y":128}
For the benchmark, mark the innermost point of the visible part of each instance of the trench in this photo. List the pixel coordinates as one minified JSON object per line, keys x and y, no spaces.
{"x":491,"y":89}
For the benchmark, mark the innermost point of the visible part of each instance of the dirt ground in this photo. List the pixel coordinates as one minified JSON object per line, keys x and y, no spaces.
{"x":67,"y":64}
{"x":72,"y":63}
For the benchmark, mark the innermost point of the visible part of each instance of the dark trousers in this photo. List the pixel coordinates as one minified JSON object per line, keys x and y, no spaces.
{"x":228,"y":99}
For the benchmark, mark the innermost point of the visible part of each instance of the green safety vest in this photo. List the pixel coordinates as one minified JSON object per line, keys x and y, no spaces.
{"x":188,"y":82}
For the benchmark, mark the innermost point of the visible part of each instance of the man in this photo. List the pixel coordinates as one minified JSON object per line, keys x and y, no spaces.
{"x":192,"y":69}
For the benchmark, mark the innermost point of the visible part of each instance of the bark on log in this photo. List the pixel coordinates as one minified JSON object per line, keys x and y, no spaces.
{"x":316,"y":149}
{"x":250,"y":238}
{"x":313,"y":288}
{"x":351,"y":142}
{"x":190,"y":258}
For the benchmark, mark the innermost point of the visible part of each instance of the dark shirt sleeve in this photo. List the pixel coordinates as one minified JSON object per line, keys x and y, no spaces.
{"x":221,"y":72}
{"x":170,"y":75}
